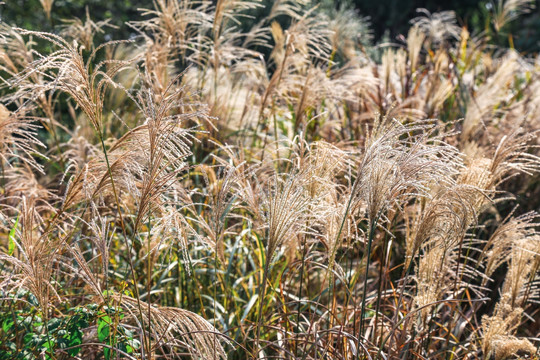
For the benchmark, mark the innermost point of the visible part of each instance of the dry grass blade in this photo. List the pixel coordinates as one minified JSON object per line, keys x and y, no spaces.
{"x":176,"y":328}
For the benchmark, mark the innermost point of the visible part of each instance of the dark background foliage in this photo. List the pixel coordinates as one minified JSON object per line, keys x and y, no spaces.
{"x":389,"y":18}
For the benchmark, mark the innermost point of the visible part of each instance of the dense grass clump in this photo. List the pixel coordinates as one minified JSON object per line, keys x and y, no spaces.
{"x":287,"y":191}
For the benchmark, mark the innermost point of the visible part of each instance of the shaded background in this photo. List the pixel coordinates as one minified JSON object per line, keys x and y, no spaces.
{"x":388,"y":18}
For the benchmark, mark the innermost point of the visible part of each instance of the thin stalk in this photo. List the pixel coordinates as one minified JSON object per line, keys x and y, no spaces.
{"x":382,"y":283}
{"x":122,"y":225}
{"x":275,"y":130}
{"x":262,"y":292}
{"x":215,"y":292}
{"x":300,"y":291}
{"x":372,"y":227}
{"x":267,"y":94}
{"x":406,"y":317}
{"x":2,"y":170}
{"x":402,"y":292}
{"x":47,"y":333}
{"x":149,"y":283}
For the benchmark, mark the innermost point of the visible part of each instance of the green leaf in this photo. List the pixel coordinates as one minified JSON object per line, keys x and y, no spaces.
{"x":75,"y":338}
{"x":49,"y":346}
{"x":104,"y":332}
{"x":104,"y":327}
{"x":252,"y":302}
{"x":107,"y":353}
{"x":7,"y":325}
{"x":11,"y":244}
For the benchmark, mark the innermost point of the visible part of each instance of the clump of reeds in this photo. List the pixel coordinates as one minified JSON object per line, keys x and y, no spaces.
{"x":287,"y":190}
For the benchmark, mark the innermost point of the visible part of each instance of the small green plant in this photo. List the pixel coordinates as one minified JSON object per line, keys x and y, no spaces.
{"x":60,"y":335}
{"x":113,"y":334}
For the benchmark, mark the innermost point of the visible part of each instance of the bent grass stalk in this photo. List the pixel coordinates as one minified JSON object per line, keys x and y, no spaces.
{"x":130,"y":250}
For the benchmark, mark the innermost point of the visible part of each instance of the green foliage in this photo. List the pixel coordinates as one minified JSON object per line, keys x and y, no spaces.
{"x":11,"y":246}
{"x":115,"y":335}
{"x":26,"y":335}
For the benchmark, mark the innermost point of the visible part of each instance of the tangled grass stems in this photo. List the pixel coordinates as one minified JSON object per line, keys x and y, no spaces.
{"x":242,"y":180}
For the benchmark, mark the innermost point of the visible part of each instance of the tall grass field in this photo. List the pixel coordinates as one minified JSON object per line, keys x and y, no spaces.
{"x":242,"y":179}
